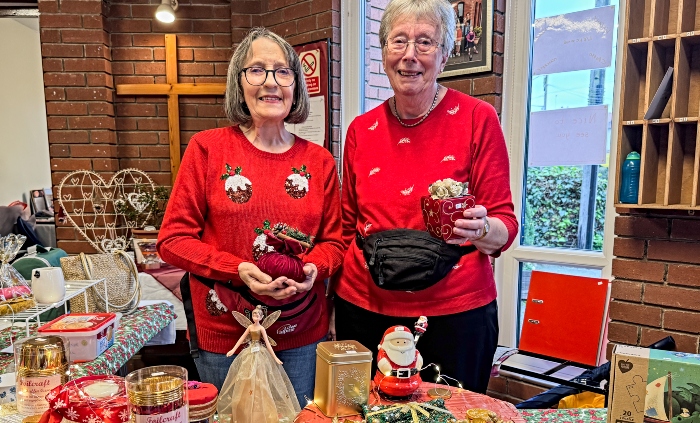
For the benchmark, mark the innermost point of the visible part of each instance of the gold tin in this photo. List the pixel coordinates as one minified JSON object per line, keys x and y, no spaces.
{"x":342,"y":377}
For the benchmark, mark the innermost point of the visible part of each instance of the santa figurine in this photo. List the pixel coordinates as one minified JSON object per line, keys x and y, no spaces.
{"x":398,"y":363}
{"x":421,"y":326}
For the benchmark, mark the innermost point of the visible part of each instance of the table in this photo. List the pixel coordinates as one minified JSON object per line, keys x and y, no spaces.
{"x":574,"y":415}
{"x":134,"y":331}
{"x":458,"y":404}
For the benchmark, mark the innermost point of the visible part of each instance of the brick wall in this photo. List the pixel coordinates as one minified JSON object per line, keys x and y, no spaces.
{"x":656,"y":286}
{"x":89,"y":46}
{"x":485,"y":86}
{"x":304,"y":21}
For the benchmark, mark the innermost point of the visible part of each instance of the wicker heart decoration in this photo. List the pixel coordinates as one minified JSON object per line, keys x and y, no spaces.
{"x":91,"y":205}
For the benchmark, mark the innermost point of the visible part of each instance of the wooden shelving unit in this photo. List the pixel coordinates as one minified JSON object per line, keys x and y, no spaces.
{"x":660,"y":34}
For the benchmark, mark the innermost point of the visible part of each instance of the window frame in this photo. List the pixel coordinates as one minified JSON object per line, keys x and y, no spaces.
{"x":352,"y":58}
{"x":514,"y":120}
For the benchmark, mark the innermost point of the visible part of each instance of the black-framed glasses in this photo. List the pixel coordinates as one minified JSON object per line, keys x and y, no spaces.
{"x":256,"y":75}
{"x":422,"y":45}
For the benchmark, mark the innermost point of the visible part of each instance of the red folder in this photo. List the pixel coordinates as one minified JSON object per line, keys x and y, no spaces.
{"x":565,"y":317}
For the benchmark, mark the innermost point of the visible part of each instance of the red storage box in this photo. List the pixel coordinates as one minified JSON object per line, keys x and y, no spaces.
{"x":440,"y":215}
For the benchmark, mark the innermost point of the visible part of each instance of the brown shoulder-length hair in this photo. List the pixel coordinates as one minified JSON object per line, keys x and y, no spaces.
{"x":235,"y":101}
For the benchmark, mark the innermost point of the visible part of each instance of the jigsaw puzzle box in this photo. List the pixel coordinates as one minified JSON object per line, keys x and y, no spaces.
{"x":653,"y":386}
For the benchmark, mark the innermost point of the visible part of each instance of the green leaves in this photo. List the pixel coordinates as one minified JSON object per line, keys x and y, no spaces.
{"x":301,"y":171}
{"x":553,"y":203}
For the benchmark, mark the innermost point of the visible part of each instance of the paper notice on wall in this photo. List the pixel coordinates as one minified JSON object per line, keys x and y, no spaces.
{"x":574,"y":41}
{"x":314,"y":129}
{"x":568,"y":137}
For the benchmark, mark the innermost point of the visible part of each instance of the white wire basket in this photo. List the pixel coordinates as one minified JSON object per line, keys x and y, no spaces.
{"x":32,"y":314}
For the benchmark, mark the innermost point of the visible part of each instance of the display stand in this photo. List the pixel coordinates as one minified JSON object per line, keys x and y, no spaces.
{"x":661,"y":34}
{"x":73,"y":289}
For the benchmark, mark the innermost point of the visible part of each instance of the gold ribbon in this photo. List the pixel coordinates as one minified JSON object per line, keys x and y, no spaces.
{"x":413,"y":407}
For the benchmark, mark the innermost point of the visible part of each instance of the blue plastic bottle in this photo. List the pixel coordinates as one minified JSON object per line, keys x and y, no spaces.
{"x":629,"y":180}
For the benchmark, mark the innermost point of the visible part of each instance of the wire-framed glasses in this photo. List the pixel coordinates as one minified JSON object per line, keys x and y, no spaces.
{"x":422,"y":45}
{"x":256,"y":75}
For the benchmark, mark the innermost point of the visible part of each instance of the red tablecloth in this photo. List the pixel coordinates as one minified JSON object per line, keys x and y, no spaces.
{"x":461,"y":401}
{"x":169,"y":277}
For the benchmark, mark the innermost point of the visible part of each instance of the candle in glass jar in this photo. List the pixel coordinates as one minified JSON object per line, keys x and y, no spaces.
{"x":42,"y":364}
{"x":158,"y":394}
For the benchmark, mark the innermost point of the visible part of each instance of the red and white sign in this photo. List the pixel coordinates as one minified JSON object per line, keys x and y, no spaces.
{"x":310,"y":65}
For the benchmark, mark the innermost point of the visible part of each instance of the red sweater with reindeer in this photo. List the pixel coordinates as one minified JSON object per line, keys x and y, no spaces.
{"x":225,"y":189}
{"x":386,"y":170}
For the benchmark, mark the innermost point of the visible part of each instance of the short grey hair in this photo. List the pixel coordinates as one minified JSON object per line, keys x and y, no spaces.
{"x":438,"y":11}
{"x":235,"y":107}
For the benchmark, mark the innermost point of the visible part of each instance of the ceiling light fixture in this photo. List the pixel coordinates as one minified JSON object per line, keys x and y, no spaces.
{"x":166,"y":11}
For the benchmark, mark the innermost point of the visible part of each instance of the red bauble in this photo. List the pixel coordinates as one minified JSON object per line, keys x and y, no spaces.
{"x":276,"y":264}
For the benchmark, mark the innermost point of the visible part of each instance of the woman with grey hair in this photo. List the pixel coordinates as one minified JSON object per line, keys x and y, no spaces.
{"x":424,"y":133}
{"x":235,"y":185}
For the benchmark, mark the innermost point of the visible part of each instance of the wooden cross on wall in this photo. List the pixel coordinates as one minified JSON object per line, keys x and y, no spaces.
{"x":173,"y":90}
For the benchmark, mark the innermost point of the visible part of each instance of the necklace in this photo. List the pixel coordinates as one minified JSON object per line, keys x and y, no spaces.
{"x":425,"y":116}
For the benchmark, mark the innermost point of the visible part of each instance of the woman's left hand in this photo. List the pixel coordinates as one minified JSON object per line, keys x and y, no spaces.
{"x":311,"y":272}
{"x":471,"y":227}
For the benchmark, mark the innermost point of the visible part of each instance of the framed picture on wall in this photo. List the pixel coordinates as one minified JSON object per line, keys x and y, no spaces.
{"x":473,"y":47}
{"x":38,"y":201}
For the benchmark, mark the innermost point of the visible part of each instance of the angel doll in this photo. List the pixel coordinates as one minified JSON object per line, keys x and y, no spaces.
{"x":257,"y":389}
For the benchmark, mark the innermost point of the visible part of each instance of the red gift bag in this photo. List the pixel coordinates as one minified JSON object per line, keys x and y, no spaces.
{"x":440,"y":215}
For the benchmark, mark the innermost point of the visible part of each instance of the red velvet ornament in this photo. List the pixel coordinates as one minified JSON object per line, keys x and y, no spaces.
{"x":277,"y":264}
{"x":283,"y":261}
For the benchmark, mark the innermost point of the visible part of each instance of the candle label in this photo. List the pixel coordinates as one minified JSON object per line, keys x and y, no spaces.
{"x":31,"y":393}
{"x":176,"y":416}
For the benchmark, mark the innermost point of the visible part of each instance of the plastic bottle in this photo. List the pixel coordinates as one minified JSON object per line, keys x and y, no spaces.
{"x":629,"y":180}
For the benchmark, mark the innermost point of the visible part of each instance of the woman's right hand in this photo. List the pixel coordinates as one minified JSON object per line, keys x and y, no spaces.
{"x":262,"y":284}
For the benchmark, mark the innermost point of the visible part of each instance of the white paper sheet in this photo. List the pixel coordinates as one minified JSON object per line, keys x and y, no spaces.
{"x":314,"y":129}
{"x":574,"y":41}
{"x":568,"y":137}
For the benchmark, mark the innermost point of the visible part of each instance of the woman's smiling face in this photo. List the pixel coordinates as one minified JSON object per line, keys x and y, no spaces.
{"x":409,"y":72}
{"x":268,"y":101}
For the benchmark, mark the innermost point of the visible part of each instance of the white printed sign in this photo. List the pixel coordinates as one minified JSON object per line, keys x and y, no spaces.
{"x":573,"y":41}
{"x":568,"y":137}
{"x":314,"y":129}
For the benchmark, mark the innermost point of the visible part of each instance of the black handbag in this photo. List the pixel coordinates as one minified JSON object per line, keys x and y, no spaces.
{"x":408,"y":259}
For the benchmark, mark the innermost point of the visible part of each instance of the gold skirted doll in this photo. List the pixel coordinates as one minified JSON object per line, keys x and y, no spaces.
{"x":257,"y":389}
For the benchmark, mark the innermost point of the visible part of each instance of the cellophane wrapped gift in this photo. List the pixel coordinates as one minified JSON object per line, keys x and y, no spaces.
{"x":446,"y":203}
{"x":15,"y":295}
{"x":413,"y":412}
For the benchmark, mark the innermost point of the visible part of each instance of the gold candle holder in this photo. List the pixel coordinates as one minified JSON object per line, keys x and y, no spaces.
{"x":42,"y":363}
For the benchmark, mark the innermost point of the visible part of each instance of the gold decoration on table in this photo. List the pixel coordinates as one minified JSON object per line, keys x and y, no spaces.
{"x":480,"y":415}
{"x":443,"y":393}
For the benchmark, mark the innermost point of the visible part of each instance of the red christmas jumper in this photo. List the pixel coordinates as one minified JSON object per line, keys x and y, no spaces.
{"x":388,"y":167}
{"x":208,"y":233}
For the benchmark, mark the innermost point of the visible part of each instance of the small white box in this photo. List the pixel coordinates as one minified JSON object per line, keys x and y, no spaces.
{"x":90,"y":334}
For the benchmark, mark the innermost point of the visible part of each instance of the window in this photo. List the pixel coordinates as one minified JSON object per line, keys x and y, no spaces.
{"x":565,"y":211}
